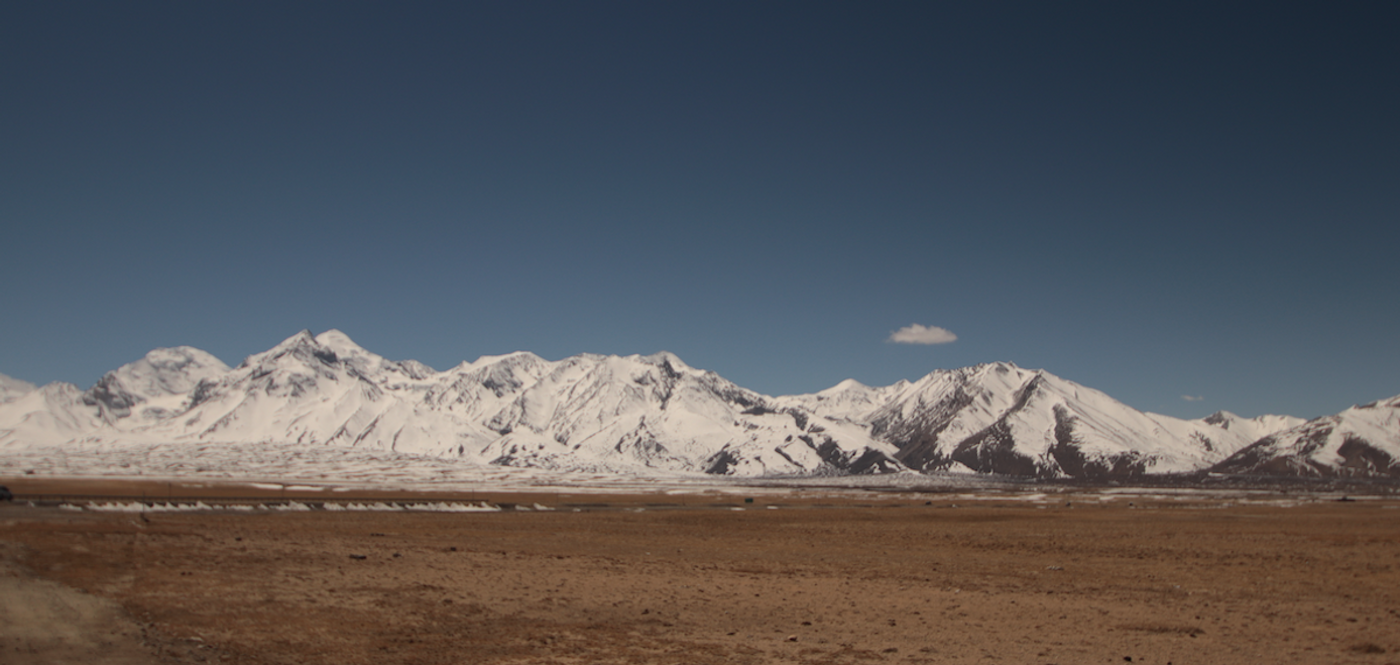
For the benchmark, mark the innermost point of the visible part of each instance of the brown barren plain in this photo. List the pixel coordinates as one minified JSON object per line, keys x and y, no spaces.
{"x":688,"y":579}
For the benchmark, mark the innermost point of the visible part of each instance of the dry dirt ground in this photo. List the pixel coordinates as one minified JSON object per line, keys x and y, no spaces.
{"x":691,"y":582}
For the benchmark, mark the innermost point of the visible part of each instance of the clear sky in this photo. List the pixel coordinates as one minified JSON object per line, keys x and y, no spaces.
{"x":1158,"y":200}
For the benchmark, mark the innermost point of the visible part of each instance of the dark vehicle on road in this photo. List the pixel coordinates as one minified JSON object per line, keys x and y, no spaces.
{"x":5,"y":494}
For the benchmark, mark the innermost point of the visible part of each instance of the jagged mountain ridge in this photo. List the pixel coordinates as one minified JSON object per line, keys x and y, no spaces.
{"x":588,"y":412}
{"x":51,"y":415}
{"x":635,"y":413}
{"x":1000,"y":418}
{"x":1363,"y":441}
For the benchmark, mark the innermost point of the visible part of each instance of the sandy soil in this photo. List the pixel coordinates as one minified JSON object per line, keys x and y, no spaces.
{"x":42,"y":622}
{"x":646,"y":580}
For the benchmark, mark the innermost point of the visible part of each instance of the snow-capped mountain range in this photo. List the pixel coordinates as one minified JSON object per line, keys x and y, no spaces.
{"x":655,"y":414}
{"x":1360,"y":441}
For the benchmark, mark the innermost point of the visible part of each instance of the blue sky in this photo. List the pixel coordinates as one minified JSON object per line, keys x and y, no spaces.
{"x":1156,"y":200}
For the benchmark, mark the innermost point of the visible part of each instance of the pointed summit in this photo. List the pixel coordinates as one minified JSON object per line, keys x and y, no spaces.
{"x":299,"y":348}
{"x":665,"y":358}
{"x":337,"y":341}
{"x":370,"y":365}
{"x":347,"y":350}
{"x":303,"y":338}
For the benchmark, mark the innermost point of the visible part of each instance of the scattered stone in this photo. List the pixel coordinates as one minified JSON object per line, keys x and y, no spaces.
{"x":791,"y":638}
{"x":358,"y":557}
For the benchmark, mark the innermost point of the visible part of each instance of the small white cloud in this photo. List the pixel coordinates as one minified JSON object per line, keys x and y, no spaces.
{"x":917,"y":334}
{"x":1189,"y":398}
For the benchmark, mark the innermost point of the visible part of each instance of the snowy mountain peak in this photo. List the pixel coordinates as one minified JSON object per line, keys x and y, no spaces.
{"x":663,"y":358}
{"x":338,"y":342}
{"x":416,"y":370}
{"x":333,"y":351}
{"x":303,"y":343}
{"x":1000,"y":418}
{"x":501,"y":375}
{"x":303,"y":338}
{"x":1391,"y":403}
{"x":1251,"y":429}
{"x":849,"y":400}
{"x":655,"y":413}
{"x":845,"y":386}
{"x":1360,"y":441}
{"x":161,"y":373}
{"x":612,"y":412}
{"x":370,"y":364}
{"x":12,"y":389}
{"x":49,"y":415}
{"x":514,"y":358}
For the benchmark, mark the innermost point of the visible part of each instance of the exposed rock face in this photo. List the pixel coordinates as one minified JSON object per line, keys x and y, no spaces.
{"x":605,"y":413}
{"x":1360,"y":441}
{"x":656,"y":415}
{"x":162,"y":373}
{"x":999,"y":418}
